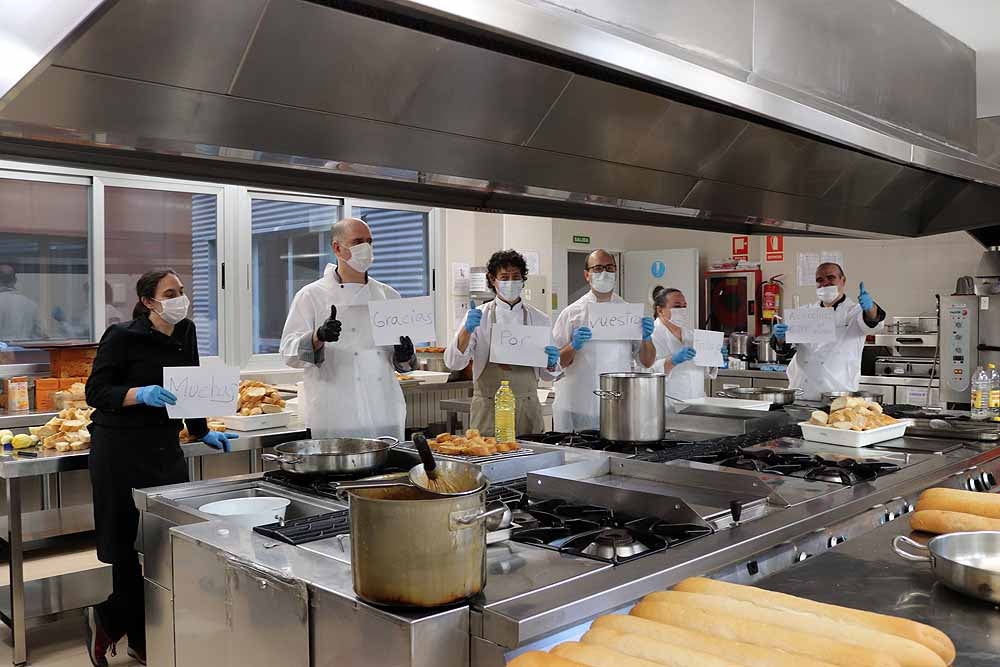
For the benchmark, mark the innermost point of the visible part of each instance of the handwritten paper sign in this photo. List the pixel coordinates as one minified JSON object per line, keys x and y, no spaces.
{"x":708,"y":346}
{"x":810,"y":325}
{"x":393,"y":318}
{"x":615,"y":321}
{"x":518,"y":345}
{"x":202,"y":391}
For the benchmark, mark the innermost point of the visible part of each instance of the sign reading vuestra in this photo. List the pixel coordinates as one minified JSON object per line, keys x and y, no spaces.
{"x":202,"y":391}
{"x":615,"y":321}
{"x":393,"y":318}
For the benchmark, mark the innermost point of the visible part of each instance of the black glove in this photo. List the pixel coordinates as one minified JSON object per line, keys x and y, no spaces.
{"x":403,"y":353}
{"x":329,"y":332}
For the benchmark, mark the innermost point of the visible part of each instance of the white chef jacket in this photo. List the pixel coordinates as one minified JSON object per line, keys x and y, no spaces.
{"x":576,"y":407}
{"x":834,"y":366}
{"x":478,"y":349}
{"x":685,"y":380}
{"x":18,"y":317}
{"x":351,"y":388}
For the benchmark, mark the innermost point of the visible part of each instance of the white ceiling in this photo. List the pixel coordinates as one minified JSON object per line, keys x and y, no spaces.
{"x":977,"y":23}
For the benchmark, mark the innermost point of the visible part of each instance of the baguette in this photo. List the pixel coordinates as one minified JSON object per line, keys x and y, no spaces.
{"x":539,"y":659}
{"x":941,"y":522}
{"x":930,"y":637}
{"x":593,"y":655}
{"x":908,"y":652}
{"x":751,"y":631}
{"x":953,"y":500}
{"x":646,"y":648}
{"x":740,"y":653}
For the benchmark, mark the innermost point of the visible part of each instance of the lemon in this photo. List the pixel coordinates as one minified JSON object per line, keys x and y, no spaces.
{"x":21,"y":441}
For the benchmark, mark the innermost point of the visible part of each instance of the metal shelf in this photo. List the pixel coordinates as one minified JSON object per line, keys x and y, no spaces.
{"x":54,"y":595}
{"x":46,"y":525}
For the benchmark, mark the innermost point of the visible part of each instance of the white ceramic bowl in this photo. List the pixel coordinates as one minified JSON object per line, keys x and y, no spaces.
{"x":249,"y":512}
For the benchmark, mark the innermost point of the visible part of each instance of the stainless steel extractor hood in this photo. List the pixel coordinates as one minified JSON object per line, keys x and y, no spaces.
{"x":505,"y":105}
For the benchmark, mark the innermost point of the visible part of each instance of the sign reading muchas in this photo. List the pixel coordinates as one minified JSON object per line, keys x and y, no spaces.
{"x":202,"y":391}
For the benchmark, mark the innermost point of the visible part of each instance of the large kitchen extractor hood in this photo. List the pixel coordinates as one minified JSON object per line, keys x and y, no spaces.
{"x":522,"y":106}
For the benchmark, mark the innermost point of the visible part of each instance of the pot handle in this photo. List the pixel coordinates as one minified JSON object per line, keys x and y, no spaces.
{"x":723,"y":394}
{"x":388,"y":438}
{"x":902,"y":553}
{"x":286,"y":459}
{"x":368,"y":484}
{"x":613,"y":395}
{"x":463,"y":520}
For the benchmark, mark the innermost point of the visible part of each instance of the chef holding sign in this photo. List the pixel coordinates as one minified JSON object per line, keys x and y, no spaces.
{"x":675,"y":353}
{"x":583,"y":359}
{"x":505,"y":274}
{"x":350,"y":387}
{"x":833,"y":365}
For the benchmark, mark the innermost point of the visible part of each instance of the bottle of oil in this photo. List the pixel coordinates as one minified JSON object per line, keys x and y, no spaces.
{"x":994,"y":390}
{"x":980,"y":394}
{"x":503,"y":413}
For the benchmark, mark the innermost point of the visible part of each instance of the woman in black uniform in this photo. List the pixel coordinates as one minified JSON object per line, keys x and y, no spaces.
{"x":135,"y":445}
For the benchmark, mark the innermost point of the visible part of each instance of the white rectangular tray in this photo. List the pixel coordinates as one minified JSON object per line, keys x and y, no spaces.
{"x":429,"y":377}
{"x":257,"y":422}
{"x":837,"y":436}
{"x":740,"y":403}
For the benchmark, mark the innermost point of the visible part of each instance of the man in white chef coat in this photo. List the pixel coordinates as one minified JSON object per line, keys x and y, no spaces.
{"x":833,"y":366}
{"x":18,"y":314}
{"x":350,"y":387}
{"x":576,"y":407}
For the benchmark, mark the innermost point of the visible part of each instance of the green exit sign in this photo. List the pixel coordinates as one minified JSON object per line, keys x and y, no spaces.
{"x":581,"y":239}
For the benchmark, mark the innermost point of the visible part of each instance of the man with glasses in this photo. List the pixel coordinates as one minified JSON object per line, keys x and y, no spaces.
{"x":576,"y":407}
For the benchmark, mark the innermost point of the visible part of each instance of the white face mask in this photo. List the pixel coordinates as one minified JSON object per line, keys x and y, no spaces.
{"x":827,"y":294}
{"x":174,"y":310}
{"x":603,"y":282}
{"x":679,"y":316}
{"x":362,"y":256}
{"x":510,"y":290}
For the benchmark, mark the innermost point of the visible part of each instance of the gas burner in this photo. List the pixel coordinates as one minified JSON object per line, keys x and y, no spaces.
{"x":613,"y":545}
{"x":673,"y":533}
{"x":550,"y":536}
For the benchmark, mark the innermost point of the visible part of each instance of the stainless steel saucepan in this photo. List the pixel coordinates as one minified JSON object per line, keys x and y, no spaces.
{"x":965,"y":562}
{"x":774,"y":395}
{"x":339,"y":456}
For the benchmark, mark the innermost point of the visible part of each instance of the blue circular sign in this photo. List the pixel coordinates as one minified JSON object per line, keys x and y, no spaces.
{"x":658,"y":269}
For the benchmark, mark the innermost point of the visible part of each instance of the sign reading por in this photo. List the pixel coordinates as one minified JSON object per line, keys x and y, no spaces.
{"x":519,"y":345}
{"x":774,"y":249}
{"x":394,"y":318}
{"x":615,"y":321}
{"x":202,"y":391}
{"x":741,"y":247}
{"x":810,"y":325}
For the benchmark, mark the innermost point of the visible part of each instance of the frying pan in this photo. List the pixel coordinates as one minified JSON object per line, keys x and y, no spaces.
{"x":965,"y":562}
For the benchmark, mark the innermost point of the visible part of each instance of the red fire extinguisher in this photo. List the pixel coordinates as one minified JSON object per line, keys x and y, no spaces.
{"x":771,"y":297}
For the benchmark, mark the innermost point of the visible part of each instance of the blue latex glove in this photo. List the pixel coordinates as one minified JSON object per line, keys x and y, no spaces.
{"x":155,"y":396}
{"x":581,"y":336}
{"x":725,"y":353}
{"x":865,"y":299}
{"x":219,"y":440}
{"x":647,"y":328}
{"x":553,"y":354}
{"x":780,"y":329}
{"x":472,"y":319}
{"x":682,"y":355}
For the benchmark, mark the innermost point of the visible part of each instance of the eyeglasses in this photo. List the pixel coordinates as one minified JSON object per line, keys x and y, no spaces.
{"x":601,"y":268}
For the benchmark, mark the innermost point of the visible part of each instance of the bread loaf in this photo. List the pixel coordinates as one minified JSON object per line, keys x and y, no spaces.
{"x":593,"y":655}
{"x":967,"y":502}
{"x":539,"y":659}
{"x":941,"y":522}
{"x":659,"y":652}
{"x":738,"y":653}
{"x":751,"y":631}
{"x":908,"y":652}
{"x":930,"y":637}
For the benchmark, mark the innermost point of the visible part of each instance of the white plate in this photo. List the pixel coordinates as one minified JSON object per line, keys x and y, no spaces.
{"x":846,"y":438}
{"x":741,"y":403}
{"x":429,"y":377}
{"x":257,"y":422}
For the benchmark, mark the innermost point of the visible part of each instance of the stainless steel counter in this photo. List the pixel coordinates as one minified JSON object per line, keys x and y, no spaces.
{"x":866,"y":574}
{"x":12,"y":420}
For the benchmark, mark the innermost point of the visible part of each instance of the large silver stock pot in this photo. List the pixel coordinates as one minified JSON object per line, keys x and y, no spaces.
{"x":632,"y":408}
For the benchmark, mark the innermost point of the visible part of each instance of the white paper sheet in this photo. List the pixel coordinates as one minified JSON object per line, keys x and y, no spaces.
{"x":518,"y":345}
{"x":460,"y":278}
{"x":806,"y":265}
{"x":708,"y":345}
{"x":810,"y":325}
{"x":202,"y":391}
{"x":394,"y":318}
{"x":615,"y":321}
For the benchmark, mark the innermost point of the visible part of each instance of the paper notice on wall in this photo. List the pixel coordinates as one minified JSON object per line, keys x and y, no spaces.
{"x":615,"y":321}
{"x":519,"y":345}
{"x":810,"y":325}
{"x":807,"y":263}
{"x":393,"y":318}
{"x":534,"y":262}
{"x":460,"y":280}
{"x":202,"y":391}
{"x":477,"y":281}
{"x":832,"y":257}
{"x":708,"y":347}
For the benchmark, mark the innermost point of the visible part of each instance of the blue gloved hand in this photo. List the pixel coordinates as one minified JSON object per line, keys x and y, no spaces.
{"x":865,"y":299}
{"x":647,"y":328}
{"x":581,"y":336}
{"x":682,"y":355}
{"x":155,"y":396}
{"x":553,"y":354}
{"x":725,"y":353}
{"x":219,"y":439}
{"x":472,"y":319}
{"x":780,"y":329}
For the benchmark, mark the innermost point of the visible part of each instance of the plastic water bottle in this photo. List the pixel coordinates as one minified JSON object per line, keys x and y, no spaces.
{"x":504,"y":407}
{"x":994,"y":390}
{"x":980,"y":394}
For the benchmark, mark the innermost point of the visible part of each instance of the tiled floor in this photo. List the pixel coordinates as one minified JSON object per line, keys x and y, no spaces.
{"x":62,"y":643}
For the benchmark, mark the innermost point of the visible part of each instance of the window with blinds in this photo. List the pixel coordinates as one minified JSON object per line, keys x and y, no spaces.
{"x":401,"y":256}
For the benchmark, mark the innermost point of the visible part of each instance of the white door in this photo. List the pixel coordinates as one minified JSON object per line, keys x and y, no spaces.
{"x":644,"y":270}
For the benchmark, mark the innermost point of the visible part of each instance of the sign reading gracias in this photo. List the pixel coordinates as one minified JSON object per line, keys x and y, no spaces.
{"x":394,"y":318}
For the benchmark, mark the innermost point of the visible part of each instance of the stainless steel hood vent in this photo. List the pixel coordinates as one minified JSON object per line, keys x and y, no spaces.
{"x":497,"y":105}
